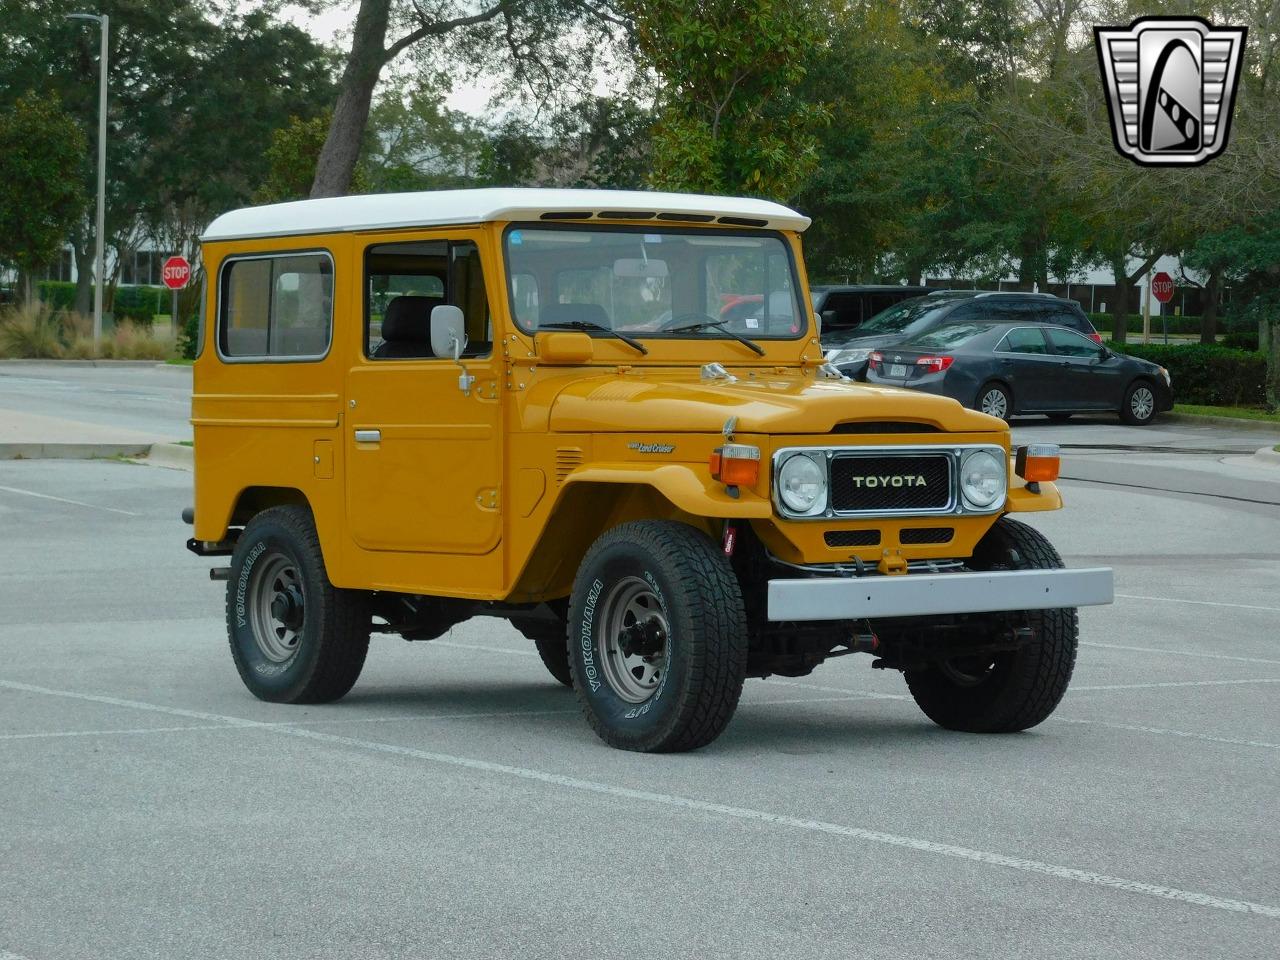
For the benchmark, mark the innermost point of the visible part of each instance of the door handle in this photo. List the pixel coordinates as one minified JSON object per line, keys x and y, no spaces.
{"x":368,"y":436}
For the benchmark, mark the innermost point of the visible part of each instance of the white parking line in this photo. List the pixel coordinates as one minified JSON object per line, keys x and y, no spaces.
{"x":509,"y":651}
{"x":1178,"y":653}
{"x":1199,"y":603}
{"x":75,"y":503}
{"x":1170,"y":683}
{"x":1165,"y":731}
{"x":725,"y":811}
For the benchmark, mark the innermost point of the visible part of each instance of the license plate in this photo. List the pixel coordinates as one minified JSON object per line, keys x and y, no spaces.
{"x":898,"y":370}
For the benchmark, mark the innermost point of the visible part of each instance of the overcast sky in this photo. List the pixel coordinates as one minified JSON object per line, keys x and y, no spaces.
{"x":333,"y":27}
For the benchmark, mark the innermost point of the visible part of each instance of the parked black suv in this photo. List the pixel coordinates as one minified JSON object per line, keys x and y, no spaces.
{"x":849,"y":350}
{"x":844,"y":307}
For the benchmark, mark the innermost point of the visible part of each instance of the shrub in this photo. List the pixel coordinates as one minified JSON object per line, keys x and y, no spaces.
{"x":1208,"y":375}
{"x":1243,"y":340}
{"x":57,"y":294}
{"x":1184,"y":326}
{"x":137,"y":304}
{"x":30,"y":332}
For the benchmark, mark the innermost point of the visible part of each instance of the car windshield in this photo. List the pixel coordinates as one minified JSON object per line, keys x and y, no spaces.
{"x":654,"y":282}
{"x":905,"y":317}
{"x":947,"y":337}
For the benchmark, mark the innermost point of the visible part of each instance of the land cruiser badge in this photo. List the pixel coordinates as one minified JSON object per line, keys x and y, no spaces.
{"x":1170,"y":85}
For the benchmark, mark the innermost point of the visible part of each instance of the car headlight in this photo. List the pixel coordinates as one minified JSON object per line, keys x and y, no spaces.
{"x":839,"y":356}
{"x":983,"y":479}
{"x":802,"y":484}
{"x":1168,"y":382}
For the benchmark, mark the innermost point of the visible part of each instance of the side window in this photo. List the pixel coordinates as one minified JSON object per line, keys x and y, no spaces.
{"x":965,"y":312}
{"x":276,"y":307}
{"x":1064,"y":316}
{"x":1068,"y":343}
{"x":404,"y":282}
{"x":1023,"y":340}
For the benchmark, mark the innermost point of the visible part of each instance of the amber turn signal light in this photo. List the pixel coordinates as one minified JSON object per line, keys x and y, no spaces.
{"x":736,"y":464}
{"x":1037,"y":462}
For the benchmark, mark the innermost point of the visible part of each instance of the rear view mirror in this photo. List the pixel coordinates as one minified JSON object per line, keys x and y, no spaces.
{"x":448,"y":331}
{"x":636,"y":267}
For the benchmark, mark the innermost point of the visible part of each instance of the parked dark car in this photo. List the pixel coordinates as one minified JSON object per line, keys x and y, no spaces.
{"x":848,"y":307}
{"x":910,"y":318}
{"x":1007,"y":369}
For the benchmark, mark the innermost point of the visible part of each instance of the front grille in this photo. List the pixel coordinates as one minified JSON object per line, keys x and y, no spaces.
{"x":891,"y":483}
{"x":852,"y":538}
{"x":920,"y":535}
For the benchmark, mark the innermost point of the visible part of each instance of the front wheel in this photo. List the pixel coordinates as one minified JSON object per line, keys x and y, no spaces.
{"x":294,"y":636}
{"x":1012,"y":689}
{"x":1139,"y":406}
{"x":657,"y":637}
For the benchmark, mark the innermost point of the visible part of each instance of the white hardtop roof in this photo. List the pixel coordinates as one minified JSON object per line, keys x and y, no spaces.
{"x":389,"y":211}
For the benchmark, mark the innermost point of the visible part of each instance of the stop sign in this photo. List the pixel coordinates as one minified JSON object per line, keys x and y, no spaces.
{"x":1162,"y":287}
{"x":177,"y":271}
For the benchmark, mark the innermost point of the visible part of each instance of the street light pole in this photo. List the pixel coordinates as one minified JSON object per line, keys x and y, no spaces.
{"x":100,"y":221}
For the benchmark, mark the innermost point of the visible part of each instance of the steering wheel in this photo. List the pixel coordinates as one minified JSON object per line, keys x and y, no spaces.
{"x":681,"y":319}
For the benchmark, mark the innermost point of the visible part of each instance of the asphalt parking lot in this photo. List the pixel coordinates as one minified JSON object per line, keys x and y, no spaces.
{"x":456,"y":805}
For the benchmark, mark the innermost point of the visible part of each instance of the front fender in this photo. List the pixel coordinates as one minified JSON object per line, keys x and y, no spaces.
{"x":680,"y":484}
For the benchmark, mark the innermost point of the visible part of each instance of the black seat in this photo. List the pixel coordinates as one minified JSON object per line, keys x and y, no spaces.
{"x":406,"y":329}
{"x":573,"y":313}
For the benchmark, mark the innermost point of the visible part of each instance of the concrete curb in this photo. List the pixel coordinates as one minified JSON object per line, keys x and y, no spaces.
{"x":1268,"y":456}
{"x":88,"y":363}
{"x":175,"y":456}
{"x":71,"y":451}
{"x":1252,"y":426}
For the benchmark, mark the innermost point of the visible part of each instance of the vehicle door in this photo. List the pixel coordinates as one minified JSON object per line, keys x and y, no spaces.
{"x":423,"y":453}
{"x":1094,"y":377}
{"x":1023,"y":360}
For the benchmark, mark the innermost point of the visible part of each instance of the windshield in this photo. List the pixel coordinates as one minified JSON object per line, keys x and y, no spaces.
{"x":947,"y":337}
{"x":653,"y":282}
{"x":905,"y":317}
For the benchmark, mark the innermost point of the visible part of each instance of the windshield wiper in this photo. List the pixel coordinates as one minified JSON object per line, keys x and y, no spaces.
{"x":719,"y":325}
{"x":588,"y":325}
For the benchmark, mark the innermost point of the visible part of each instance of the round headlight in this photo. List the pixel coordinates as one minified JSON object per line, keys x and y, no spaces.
{"x":802,"y":484}
{"x":983,"y":479}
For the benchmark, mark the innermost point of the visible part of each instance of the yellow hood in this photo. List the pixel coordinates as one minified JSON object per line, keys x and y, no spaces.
{"x":768,"y":404}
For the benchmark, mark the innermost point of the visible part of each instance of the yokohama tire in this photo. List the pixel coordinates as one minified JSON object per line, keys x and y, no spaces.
{"x":1018,"y":688}
{"x":295,"y":638}
{"x":680,"y":692}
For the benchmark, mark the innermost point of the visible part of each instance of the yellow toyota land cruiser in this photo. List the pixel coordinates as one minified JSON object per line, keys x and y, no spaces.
{"x":605,"y":417}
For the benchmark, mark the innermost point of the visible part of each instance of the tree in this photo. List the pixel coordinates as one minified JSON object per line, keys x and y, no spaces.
{"x":41,"y":148}
{"x":533,"y":41}
{"x":728,"y":119}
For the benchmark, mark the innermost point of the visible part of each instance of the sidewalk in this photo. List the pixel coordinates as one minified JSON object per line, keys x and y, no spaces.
{"x":32,"y":436}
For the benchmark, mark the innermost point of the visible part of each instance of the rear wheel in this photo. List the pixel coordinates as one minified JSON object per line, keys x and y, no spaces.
{"x":294,"y":636}
{"x":1139,"y":406}
{"x":994,"y":399}
{"x":658,"y":645}
{"x":1012,"y":689}
{"x":551,"y":641}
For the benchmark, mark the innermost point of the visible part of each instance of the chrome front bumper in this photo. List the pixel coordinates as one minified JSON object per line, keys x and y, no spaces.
{"x":922,"y":595}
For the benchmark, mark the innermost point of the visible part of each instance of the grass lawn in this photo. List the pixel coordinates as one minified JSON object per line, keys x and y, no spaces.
{"x":1235,"y":413}
{"x":180,"y":362}
{"x":185,"y":443}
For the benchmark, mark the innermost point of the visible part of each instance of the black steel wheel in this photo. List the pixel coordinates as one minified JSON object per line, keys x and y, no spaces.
{"x":295,"y":638}
{"x":658,"y":638}
{"x":1012,"y":689}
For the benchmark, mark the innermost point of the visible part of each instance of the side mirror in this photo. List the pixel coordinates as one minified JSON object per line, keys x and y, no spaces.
{"x":448,"y":331}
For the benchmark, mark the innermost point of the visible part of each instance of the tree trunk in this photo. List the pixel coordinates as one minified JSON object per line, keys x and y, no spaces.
{"x":1120,"y":308}
{"x":1212,"y":297}
{"x":337,"y":162}
{"x":1273,"y":363}
{"x":84,"y":277}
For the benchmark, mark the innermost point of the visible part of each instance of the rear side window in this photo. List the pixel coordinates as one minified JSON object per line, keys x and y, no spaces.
{"x":276,"y":308}
{"x":1065,"y":316}
{"x":1023,"y":340}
